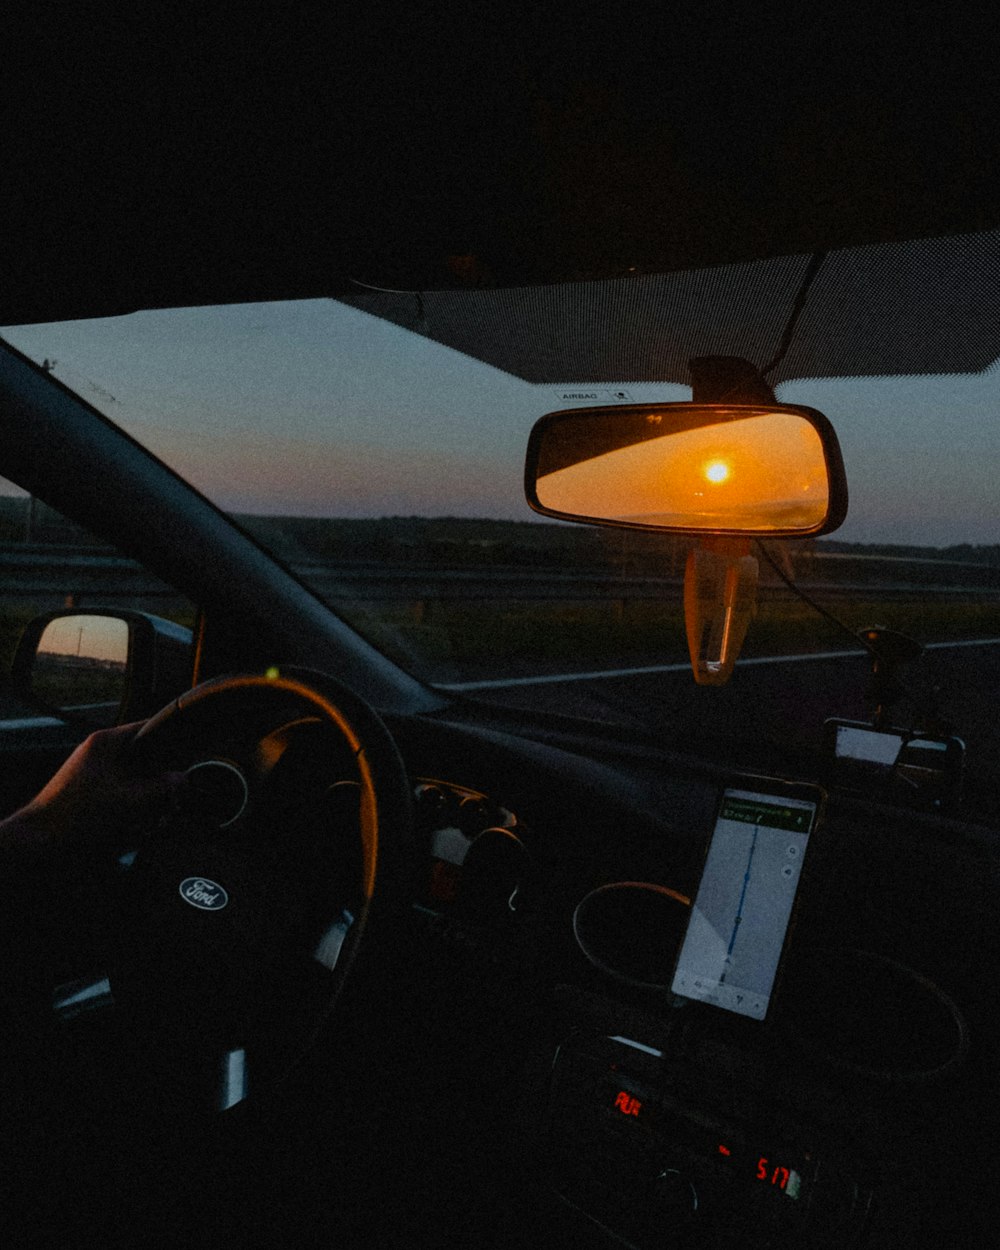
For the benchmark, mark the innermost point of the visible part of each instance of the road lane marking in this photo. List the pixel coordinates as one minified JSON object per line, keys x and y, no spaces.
{"x":551,"y":679}
{"x":30,"y":722}
{"x":968,"y":642}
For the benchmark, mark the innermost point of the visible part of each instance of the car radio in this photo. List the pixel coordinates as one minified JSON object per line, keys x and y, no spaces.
{"x":646,"y":1157}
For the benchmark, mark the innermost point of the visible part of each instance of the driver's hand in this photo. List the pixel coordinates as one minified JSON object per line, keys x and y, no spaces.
{"x":95,"y":797}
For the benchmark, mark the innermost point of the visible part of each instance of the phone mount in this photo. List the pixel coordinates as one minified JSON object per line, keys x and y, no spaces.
{"x":889,"y":649}
{"x":920,"y":767}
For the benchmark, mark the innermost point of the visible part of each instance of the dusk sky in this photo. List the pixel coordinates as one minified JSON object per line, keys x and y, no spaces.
{"x":95,"y":637}
{"x":312,"y":407}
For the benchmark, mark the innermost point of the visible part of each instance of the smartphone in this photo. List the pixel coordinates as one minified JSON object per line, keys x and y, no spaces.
{"x":742,"y":913}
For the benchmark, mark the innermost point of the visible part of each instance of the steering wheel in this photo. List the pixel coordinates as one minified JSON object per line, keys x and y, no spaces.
{"x":238,"y":918}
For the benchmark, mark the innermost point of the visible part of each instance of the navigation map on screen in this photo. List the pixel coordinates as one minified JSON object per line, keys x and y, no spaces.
{"x":736,"y":930}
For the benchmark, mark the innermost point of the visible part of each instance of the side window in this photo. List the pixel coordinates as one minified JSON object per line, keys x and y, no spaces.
{"x":48,"y":562}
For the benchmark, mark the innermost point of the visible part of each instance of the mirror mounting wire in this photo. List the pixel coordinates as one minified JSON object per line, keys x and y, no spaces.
{"x":916,"y":703}
{"x":812,"y":269}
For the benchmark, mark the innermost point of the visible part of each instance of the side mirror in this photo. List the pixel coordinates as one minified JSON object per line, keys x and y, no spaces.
{"x":752,"y":470}
{"x":101,"y":667}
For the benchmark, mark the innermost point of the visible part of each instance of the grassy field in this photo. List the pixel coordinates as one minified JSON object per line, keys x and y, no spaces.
{"x":593,"y":632}
{"x":434,"y":634}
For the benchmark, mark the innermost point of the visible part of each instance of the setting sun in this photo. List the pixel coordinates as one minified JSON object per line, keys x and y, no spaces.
{"x":717,"y":471}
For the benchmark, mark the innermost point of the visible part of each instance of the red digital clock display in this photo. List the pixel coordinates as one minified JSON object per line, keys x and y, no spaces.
{"x":778,"y":1176}
{"x":768,"y":1170}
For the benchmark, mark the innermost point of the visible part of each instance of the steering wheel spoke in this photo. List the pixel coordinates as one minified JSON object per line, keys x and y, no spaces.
{"x":85,"y":996}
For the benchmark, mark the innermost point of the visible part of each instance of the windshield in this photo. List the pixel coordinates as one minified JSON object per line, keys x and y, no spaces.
{"x":386,"y":470}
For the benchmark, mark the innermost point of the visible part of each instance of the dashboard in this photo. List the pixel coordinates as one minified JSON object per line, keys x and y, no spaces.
{"x":553,"y":886}
{"x":509,"y":1064}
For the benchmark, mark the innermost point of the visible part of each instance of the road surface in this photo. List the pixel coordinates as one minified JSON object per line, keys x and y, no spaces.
{"x":783,"y":699}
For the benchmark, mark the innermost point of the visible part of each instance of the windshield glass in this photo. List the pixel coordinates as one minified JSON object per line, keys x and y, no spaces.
{"x":386,"y":470}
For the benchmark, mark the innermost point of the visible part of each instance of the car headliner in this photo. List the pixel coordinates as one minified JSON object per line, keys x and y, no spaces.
{"x":274,"y":158}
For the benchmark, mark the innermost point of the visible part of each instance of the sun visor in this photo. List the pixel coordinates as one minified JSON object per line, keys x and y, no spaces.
{"x":920,"y":306}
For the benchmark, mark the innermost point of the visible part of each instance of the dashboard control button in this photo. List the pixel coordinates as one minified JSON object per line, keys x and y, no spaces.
{"x":674,"y":1192}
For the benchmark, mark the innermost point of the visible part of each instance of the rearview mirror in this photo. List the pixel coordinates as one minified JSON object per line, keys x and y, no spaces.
{"x":743,"y":469}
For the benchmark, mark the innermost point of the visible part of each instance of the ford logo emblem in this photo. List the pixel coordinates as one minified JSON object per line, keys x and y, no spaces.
{"x":200,"y":892}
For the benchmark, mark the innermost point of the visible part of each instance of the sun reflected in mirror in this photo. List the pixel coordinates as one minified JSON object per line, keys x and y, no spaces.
{"x":717,"y":471}
{"x":708,"y":468}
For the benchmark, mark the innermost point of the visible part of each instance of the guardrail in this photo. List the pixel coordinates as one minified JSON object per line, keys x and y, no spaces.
{"x":77,"y":577}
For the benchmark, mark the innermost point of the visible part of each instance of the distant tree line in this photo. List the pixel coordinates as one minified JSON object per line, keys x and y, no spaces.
{"x":465,"y":541}
{"x":966,"y":553}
